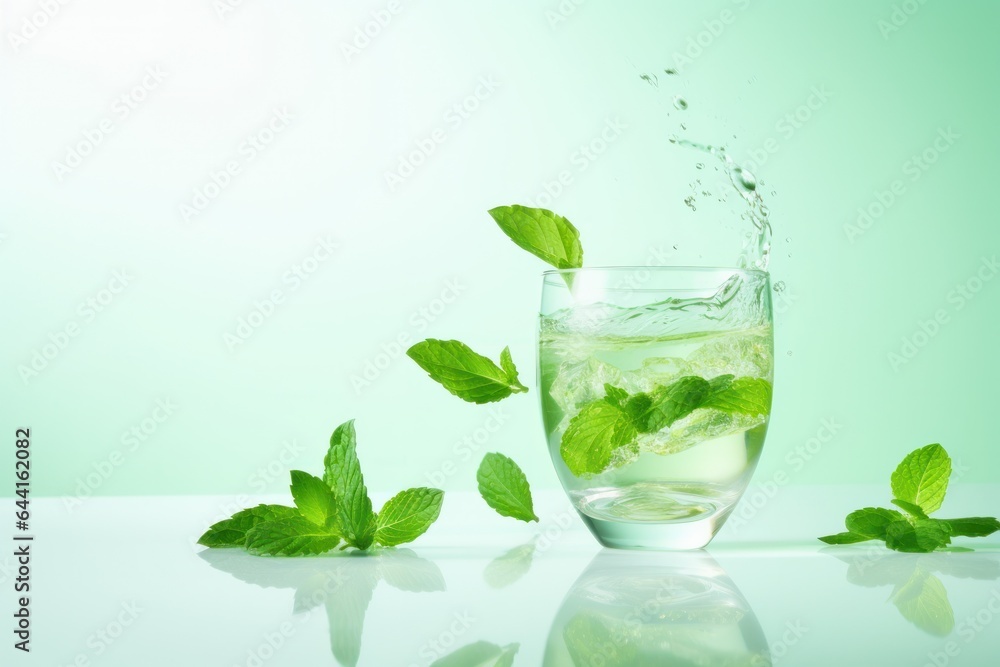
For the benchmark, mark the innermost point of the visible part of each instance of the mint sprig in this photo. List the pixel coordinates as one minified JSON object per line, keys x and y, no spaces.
{"x":919,"y":484}
{"x":605,"y":430}
{"x":328,"y":510}
{"x":466,"y":374}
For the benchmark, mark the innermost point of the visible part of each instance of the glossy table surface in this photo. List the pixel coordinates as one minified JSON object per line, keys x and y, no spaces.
{"x":120,"y":581}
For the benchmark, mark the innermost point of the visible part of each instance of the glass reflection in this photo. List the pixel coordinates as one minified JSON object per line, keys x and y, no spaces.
{"x":636,"y":609}
{"x":917,"y":592}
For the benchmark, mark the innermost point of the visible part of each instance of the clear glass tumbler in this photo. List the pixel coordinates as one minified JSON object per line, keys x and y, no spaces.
{"x":656,"y":391}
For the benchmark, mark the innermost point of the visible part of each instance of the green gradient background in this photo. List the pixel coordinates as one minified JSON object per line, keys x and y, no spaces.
{"x":848,"y":305}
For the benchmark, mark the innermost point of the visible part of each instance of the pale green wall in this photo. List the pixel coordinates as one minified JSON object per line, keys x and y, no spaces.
{"x":849,"y":303}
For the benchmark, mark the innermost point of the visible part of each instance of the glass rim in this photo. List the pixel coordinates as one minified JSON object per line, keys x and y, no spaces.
{"x":658,"y":268}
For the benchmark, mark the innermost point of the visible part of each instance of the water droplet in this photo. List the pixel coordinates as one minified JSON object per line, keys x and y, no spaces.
{"x":690,"y":203}
{"x":670,"y":71}
{"x":683,"y":126}
{"x":789,"y":353}
{"x":700,"y":165}
{"x":650,"y":79}
{"x":675,"y":247}
{"x":680,"y":103}
{"x":743,"y":179}
{"x":779,"y":286}
{"x":788,"y":239}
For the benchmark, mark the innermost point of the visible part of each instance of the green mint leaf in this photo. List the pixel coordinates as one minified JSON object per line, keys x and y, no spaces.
{"x":232,"y":532}
{"x":295,"y":536}
{"x":543,"y":233}
{"x":315,"y":500}
{"x":504,"y":487}
{"x":922,"y":478}
{"x":594,"y":435}
{"x":506,"y":569}
{"x":872,"y":522}
{"x":976,"y":526}
{"x":407,"y":515}
{"x":342,"y":473}
{"x":844,"y":538}
{"x":909,"y":508}
{"x":921,"y":536}
{"x":615,"y":395}
{"x":745,"y":395}
{"x":466,"y":374}
{"x":670,"y":403}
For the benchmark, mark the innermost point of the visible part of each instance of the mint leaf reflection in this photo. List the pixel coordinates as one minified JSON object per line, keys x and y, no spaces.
{"x":479,"y":654}
{"x":632,"y":609}
{"x":507,"y":568}
{"x":344,"y":584}
{"x":918,"y":593}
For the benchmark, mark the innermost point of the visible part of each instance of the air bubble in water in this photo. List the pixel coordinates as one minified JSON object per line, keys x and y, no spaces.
{"x":779,"y":286}
{"x":680,"y":103}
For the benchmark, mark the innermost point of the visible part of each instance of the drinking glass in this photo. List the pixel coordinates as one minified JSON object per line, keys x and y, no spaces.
{"x":655,"y":385}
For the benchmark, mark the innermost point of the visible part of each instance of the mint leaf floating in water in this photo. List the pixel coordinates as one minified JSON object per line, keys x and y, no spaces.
{"x":543,"y":233}
{"x":466,"y":374}
{"x":593,"y":437}
{"x":919,"y":484}
{"x":407,"y":515}
{"x":504,"y":487}
{"x":343,"y":475}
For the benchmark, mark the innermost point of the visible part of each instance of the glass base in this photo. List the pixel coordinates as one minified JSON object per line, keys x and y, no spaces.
{"x":673,"y":536}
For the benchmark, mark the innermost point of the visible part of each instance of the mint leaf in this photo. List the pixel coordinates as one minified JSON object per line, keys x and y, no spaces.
{"x":504,"y":487}
{"x":976,"y":526}
{"x":844,"y":538}
{"x":543,"y":233}
{"x":315,"y":500}
{"x":921,"y":536}
{"x":343,"y":475}
{"x":922,"y":478}
{"x":872,"y":522}
{"x":615,"y":395}
{"x":924,"y":602}
{"x":593,"y":436}
{"x":232,"y":532}
{"x":407,"y":515}
{"x":466,"y":374}
{"x":745,"y":395}
{"x":293,"y":536}
{"x":670,"y":403}
{"x":909,"y":508}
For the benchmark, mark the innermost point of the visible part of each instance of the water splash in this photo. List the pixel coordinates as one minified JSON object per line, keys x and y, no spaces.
{"x":680,"y":103}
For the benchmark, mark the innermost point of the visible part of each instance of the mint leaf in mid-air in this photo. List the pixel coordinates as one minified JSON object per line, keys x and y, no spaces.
{"x":504,"y":487}
{"x":232,"y":532}
{"x":295,"y":536}
{"x":919,"y":484}
{"x":543,"y":233}
{"x":342,"y":473}
{"x":407,"y":515}
{"x":466,"y":374}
